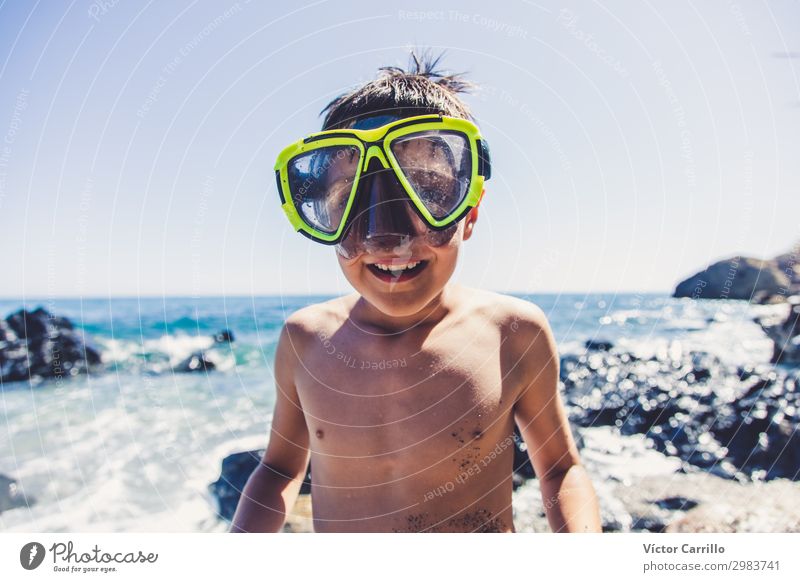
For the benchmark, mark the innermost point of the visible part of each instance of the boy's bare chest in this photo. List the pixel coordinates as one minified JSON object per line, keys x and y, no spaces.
{"x":381,"y":398}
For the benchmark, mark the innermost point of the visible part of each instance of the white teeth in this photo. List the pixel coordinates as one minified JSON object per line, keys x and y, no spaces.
{"x":397,"y":268}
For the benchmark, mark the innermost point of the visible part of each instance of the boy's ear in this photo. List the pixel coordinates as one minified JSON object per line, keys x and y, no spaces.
{"x":471,"y":218}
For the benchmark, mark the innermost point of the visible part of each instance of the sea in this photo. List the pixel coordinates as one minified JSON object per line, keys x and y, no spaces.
{"x":134,"y":448}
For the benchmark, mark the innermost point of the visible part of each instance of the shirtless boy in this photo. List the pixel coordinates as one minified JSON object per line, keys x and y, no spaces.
{"x":404,"y":394}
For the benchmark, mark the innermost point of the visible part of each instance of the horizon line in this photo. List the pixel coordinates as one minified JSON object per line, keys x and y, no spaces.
{"x":245,"y":295}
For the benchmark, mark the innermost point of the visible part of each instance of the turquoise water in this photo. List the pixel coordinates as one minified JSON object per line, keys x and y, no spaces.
{"x":133,"y":448}
{"x":135,"y":323}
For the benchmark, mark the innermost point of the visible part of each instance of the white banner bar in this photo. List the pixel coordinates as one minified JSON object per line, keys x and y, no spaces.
{"x":372,"y":557}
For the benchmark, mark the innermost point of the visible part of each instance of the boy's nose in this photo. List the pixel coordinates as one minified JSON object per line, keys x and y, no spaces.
{"x":383,"y":209}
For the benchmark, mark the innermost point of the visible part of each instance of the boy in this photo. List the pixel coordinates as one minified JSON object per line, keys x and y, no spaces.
{"x":404,"y":394}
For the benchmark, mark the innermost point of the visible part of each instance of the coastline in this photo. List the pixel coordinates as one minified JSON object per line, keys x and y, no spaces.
{"x":112,"y":475}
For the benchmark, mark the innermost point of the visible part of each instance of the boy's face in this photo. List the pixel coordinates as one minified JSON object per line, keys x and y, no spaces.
{"x":390,"y":256}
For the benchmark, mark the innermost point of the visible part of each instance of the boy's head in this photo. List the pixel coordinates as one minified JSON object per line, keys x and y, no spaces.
{"x":396,"y":93}
{"x":386,"y":237}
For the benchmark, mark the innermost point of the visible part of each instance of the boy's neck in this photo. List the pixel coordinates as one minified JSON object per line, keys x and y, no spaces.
{"x":434,"y":312}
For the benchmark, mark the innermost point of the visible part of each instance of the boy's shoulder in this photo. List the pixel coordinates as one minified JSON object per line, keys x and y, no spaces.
{"x":508,"y":311}
{"x":523,"y":326}
{"x":319,"y":318}
{"x":312,"y":323}
{"x":528,"y":344}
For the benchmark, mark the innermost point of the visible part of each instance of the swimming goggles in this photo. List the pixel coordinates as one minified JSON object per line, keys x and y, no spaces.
{"x":440,"y":162}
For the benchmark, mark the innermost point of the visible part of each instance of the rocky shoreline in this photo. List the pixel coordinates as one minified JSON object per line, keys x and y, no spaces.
{"x":38,"y":345}
{"x":737,"y":422}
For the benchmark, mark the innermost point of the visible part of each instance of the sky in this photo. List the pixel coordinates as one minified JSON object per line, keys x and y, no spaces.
{"x":633,"y":143}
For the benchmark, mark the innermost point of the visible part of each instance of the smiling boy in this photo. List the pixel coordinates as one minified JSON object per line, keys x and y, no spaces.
{"x":405,"y":394}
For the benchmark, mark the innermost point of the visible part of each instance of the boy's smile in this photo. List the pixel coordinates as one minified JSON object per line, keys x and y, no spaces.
{"x":396,"y":270}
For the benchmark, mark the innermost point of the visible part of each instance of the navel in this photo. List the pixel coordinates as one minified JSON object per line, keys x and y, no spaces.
{"x":320,"y":433}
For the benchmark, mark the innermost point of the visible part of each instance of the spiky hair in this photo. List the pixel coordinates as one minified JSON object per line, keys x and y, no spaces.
{"x":420,"y":89}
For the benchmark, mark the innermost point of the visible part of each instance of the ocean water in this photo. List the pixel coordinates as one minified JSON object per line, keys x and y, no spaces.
{"x":134,"y":448}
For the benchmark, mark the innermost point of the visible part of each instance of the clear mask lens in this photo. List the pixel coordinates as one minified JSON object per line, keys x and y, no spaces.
{"x":320,"y":182}
{"x":438,"y":166}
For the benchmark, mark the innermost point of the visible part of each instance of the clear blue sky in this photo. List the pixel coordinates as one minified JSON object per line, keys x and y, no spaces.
{"x":633,"y":142}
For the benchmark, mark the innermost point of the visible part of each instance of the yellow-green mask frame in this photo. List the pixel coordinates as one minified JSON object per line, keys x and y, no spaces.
{"x":376,"y":143}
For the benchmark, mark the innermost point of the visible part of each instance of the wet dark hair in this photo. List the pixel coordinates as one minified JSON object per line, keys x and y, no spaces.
{"x":418,"y":90}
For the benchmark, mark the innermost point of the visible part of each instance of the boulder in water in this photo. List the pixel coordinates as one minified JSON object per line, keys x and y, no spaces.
{"x":205,"y":360}
{"x":224,"y":336}
{"x":736,"y":278}
{"x":197,"y":362}
{"x":36,"y":344}
{"x":785,"y":335}
{"x":236,"y":470}
{"x":10,"y":495}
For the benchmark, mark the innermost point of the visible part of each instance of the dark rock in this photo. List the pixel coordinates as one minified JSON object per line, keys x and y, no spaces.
{"x":785,"y":335}
{"x":37,"y":323}
{"x":735,"y":278}
{"x":745,"y":372}
{"x":598,"y":345}
{"x":758,"y":388}
{"x":517,"y":481}
{"x":197,"y":362}
{"x":36,"y":344}
{"x":568,"y":364}
{"x":789,"y":263}
{"x":676,"y":503}
{"x":236,"y":470}
{"x":612,"y":522}
{"x":224,"y":336}
{"x":648,"y":523}
{"x":697,"y":374}
{"x":204,"y":360}
{"x":10,"y":495}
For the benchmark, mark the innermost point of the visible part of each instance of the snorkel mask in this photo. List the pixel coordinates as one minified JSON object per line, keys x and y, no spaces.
{"x":384,"y":189}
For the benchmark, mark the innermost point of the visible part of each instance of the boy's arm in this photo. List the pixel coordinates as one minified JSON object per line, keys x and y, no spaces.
{"x":567,"y":493}
{"x":272,"y":489}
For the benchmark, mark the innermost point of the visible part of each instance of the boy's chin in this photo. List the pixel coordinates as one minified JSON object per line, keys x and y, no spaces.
{"x":398,"y":306}
{"x":400,"y":302}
